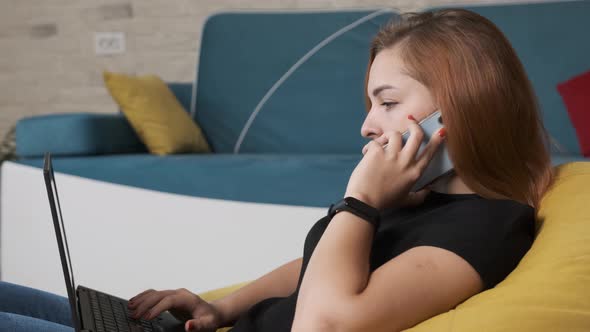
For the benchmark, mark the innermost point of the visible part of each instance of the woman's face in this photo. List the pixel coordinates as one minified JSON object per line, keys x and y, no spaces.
{"x":394,"y":95}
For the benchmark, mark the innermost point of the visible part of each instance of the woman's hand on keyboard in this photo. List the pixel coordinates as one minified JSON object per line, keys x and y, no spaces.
{"x":198,"y":314}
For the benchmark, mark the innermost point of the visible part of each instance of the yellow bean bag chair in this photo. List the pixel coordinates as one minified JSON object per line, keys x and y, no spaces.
{"x":550,"y":288}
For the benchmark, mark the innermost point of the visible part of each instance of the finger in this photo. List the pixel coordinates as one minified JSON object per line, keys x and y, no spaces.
{"x":373,"y":145}
{"x":414,"y":141}
{"x":426,"y":156}
{"x":164,"y":304}
{"x":136,"y":300}
{"x":149,"y":302}
{"x":382,"y":139}
{"x":193,"y":325}
{"x":190,"y":325}
{"x":202,"y":322}
{"x":141,"y":294}
{"x":394,"y":140}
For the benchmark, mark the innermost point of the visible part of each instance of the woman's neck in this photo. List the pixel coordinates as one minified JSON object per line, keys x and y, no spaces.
{"x":450,"y":184}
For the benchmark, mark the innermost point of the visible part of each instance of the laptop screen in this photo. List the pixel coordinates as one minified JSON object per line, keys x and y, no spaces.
{"x":60,"y":234}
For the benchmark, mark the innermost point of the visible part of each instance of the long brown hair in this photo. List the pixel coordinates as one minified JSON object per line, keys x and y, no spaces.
{"x":495,"y":135}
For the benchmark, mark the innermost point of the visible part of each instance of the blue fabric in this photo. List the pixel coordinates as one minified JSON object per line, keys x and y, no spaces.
{"x":183,"y":92}
{"x":327,"y":90}
{"x":85,"y":133}
{"x":319,"y":109}
{"x":76,"y":134}
{"x":551,"y":40}
{"x":302,"y":180}
{"x":24,"y":309}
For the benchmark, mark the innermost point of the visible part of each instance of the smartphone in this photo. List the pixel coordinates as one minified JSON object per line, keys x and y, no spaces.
{"x":441,"y":163}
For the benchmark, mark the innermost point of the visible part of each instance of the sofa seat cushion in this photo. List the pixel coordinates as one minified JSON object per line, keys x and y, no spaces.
{"x":304,"y":180}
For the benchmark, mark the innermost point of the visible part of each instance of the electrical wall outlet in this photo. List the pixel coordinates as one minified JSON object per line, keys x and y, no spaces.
{"x":109,"y":43}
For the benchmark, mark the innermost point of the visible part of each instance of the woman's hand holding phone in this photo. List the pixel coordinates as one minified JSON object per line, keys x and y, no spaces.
{"x":198,"y":314}
{"x":384,"y":176}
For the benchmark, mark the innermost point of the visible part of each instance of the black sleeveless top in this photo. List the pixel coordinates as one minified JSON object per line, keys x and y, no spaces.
{"x":491,"y":235}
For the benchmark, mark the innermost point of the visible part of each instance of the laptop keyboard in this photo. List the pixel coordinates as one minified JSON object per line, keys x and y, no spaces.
{"x":111,"y":314}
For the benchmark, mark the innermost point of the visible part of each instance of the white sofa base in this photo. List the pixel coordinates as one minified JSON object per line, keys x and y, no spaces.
{"x":124,"y":239}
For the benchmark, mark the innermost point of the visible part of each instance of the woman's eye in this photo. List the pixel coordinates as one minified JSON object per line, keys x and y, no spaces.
{"x":389,"y":104}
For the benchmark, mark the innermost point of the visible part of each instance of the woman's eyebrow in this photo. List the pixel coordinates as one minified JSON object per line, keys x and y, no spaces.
{"x":378,"y":89}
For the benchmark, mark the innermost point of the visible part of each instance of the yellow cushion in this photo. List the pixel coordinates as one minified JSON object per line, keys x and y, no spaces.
{"x":221,"y":292}
{"x":155,"y":114}
{"x":550,"y":288}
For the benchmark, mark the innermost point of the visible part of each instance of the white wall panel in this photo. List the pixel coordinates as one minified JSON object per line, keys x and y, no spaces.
{"x":125,"y":239}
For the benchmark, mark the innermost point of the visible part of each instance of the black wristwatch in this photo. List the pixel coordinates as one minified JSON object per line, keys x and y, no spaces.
{"x":357,"y":207}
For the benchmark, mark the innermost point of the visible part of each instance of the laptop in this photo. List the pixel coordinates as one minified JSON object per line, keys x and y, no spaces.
{"x":94,"y":311}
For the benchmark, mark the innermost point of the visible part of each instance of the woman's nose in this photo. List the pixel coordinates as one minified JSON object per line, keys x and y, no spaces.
{"x":370,"y":132}
{"x":370,"y":127}
{"x":372,"y":135}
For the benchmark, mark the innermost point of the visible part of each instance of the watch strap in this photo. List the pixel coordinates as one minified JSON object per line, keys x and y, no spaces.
{"x":358,"y":208}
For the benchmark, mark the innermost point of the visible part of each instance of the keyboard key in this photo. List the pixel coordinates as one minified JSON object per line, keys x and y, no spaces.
{"x":111,"y":314}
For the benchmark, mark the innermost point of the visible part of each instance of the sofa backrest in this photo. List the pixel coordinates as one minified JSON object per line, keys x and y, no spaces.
{"x":318,"y":108}
{"x":183,"y":92}
{"x":263,"y":88}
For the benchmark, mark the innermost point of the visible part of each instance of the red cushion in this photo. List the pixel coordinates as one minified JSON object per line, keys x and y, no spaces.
{"x":576,"y":96}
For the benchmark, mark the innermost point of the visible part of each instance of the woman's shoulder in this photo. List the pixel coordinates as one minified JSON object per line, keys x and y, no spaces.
{"x":463,"y":206}
{"x":491,"y":234}
{"x":468,"y":214}
{"x":489,"y":219}
{"x":493,"y":210}
{"x":474,"y":205}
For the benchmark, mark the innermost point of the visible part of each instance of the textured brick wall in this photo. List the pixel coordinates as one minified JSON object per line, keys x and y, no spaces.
{"x":47,"y":60}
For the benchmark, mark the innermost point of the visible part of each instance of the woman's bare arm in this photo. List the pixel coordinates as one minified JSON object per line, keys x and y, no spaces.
{"x":280,"y":282}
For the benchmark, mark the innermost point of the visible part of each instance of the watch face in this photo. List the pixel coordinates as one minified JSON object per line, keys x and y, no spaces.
{"x":352,"y":203}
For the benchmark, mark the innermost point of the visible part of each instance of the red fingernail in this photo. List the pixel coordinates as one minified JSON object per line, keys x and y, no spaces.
{"x":411,"y":117}
{"x":442,"y":132}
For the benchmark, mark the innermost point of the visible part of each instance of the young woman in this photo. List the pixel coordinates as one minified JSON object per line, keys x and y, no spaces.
{"x":430,"y":250}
